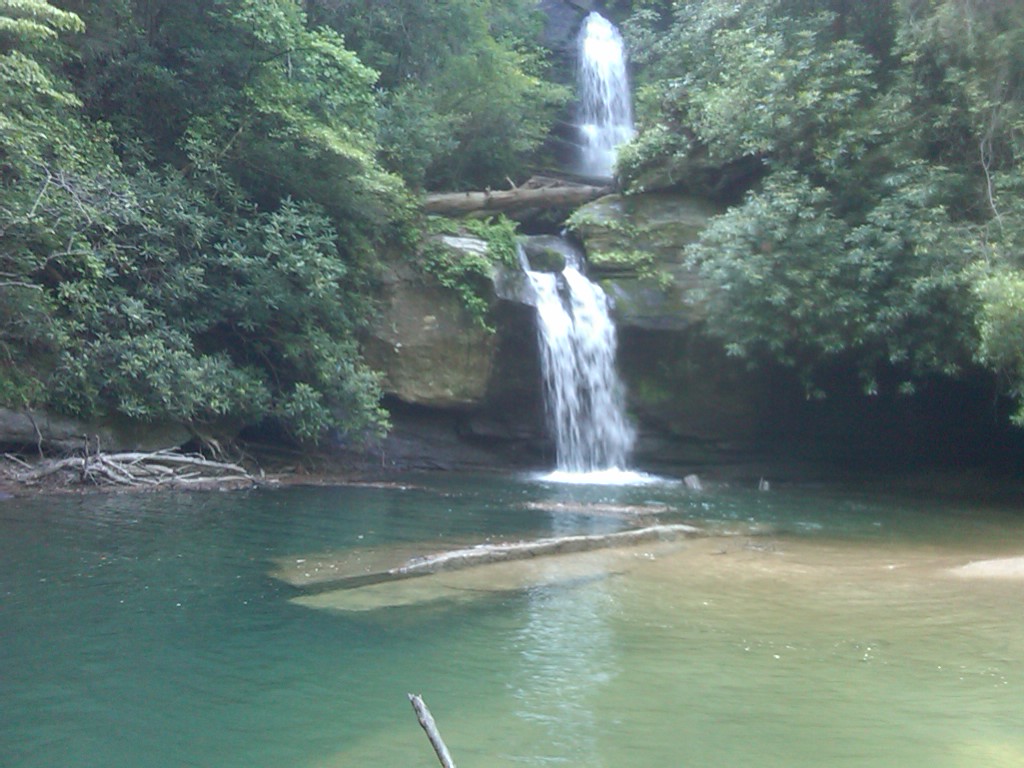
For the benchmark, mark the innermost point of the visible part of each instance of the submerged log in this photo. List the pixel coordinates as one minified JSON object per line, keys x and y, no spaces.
{"x":539,"y":192}
{"x":486,"y":554}
{"x":428,"y":725}
{"x":627,"y":511}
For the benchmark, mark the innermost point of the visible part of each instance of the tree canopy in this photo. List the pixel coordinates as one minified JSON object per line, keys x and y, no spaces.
{"x":191,"y":202}
{"x":465,"y":101}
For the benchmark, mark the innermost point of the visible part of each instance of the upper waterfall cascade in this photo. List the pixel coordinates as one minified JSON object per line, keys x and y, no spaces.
{"x":583,"y":393}
{"x":605,"y":116}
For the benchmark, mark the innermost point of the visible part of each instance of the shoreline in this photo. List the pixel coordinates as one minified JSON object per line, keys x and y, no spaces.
{"x":266,"y":469}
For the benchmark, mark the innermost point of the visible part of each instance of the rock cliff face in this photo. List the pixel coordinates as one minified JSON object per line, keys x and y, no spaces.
{"x":430,"y":350}
{"x":563,"y":18}
{"x":460,"y":394}
{"x":55,"y":433}
{"x":635,"y":249}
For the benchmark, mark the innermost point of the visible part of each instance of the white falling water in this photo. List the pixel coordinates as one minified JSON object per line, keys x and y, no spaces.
{"x":605,"y":117}
{"x":583,"y":393}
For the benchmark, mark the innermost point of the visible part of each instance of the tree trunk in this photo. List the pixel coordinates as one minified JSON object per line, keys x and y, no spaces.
{"x":538,"y":192}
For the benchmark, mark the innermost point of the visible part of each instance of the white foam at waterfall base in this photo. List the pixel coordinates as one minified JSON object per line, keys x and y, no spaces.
{"x":605,"y":116}
{"x":610,"y":477}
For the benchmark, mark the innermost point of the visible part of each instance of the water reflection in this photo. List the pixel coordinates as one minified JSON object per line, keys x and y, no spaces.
{"x":566,"y":658}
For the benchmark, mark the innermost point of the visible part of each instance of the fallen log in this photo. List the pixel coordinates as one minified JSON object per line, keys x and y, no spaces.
{"x":51,"y":468}
{"x":428,"y":725}
{"x":516,"y":200}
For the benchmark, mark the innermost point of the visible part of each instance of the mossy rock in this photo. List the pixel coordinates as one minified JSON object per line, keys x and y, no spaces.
{"x":640,"y":302}
{"x":635,"y":246}
{"x":544,"y":253}
{"x":658,"y":225}
{"x":684,"y":385}
{"x":696,"y":175}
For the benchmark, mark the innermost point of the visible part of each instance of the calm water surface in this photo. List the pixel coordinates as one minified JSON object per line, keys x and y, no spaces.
{"x":148,"y":631}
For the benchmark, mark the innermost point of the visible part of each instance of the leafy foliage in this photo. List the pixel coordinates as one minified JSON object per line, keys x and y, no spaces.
{"x":193,"y":193}
{"x":33,"y":23}
{"x":164,"y":308}
{"x":731,"y":80}
{"x":1001,"y":330}
{"x":207,"y":294}
{"x":469,"y":274}
{"x":791,"y":281}
{"x":884,"y":228}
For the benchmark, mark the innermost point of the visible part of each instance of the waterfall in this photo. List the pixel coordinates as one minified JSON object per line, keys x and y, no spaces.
{"x":582,"y":390}
{"x":605,"y":117}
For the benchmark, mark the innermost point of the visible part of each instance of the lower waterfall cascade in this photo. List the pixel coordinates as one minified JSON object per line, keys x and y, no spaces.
{"x":584,"y":396}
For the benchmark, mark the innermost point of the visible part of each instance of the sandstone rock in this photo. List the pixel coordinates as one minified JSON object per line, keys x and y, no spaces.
{"x":998,"y":568}
{"x":429,"y":348}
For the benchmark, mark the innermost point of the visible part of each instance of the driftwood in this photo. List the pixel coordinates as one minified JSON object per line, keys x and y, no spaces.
{"x":138,"y":469}
{"x":538,"y":192}
{"x":428,"y":724}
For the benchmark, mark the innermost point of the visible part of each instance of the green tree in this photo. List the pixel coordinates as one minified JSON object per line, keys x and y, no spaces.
{"x":33,"y":24}
{"x":792,"y":282}
{"x":38,"y":128}
{"x":730,"y":81}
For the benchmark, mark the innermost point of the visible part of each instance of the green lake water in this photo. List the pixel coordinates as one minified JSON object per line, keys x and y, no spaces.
{"x":829,"y":628}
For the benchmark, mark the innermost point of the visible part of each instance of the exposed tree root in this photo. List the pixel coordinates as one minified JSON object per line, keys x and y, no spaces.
{"x":135,"y":469}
